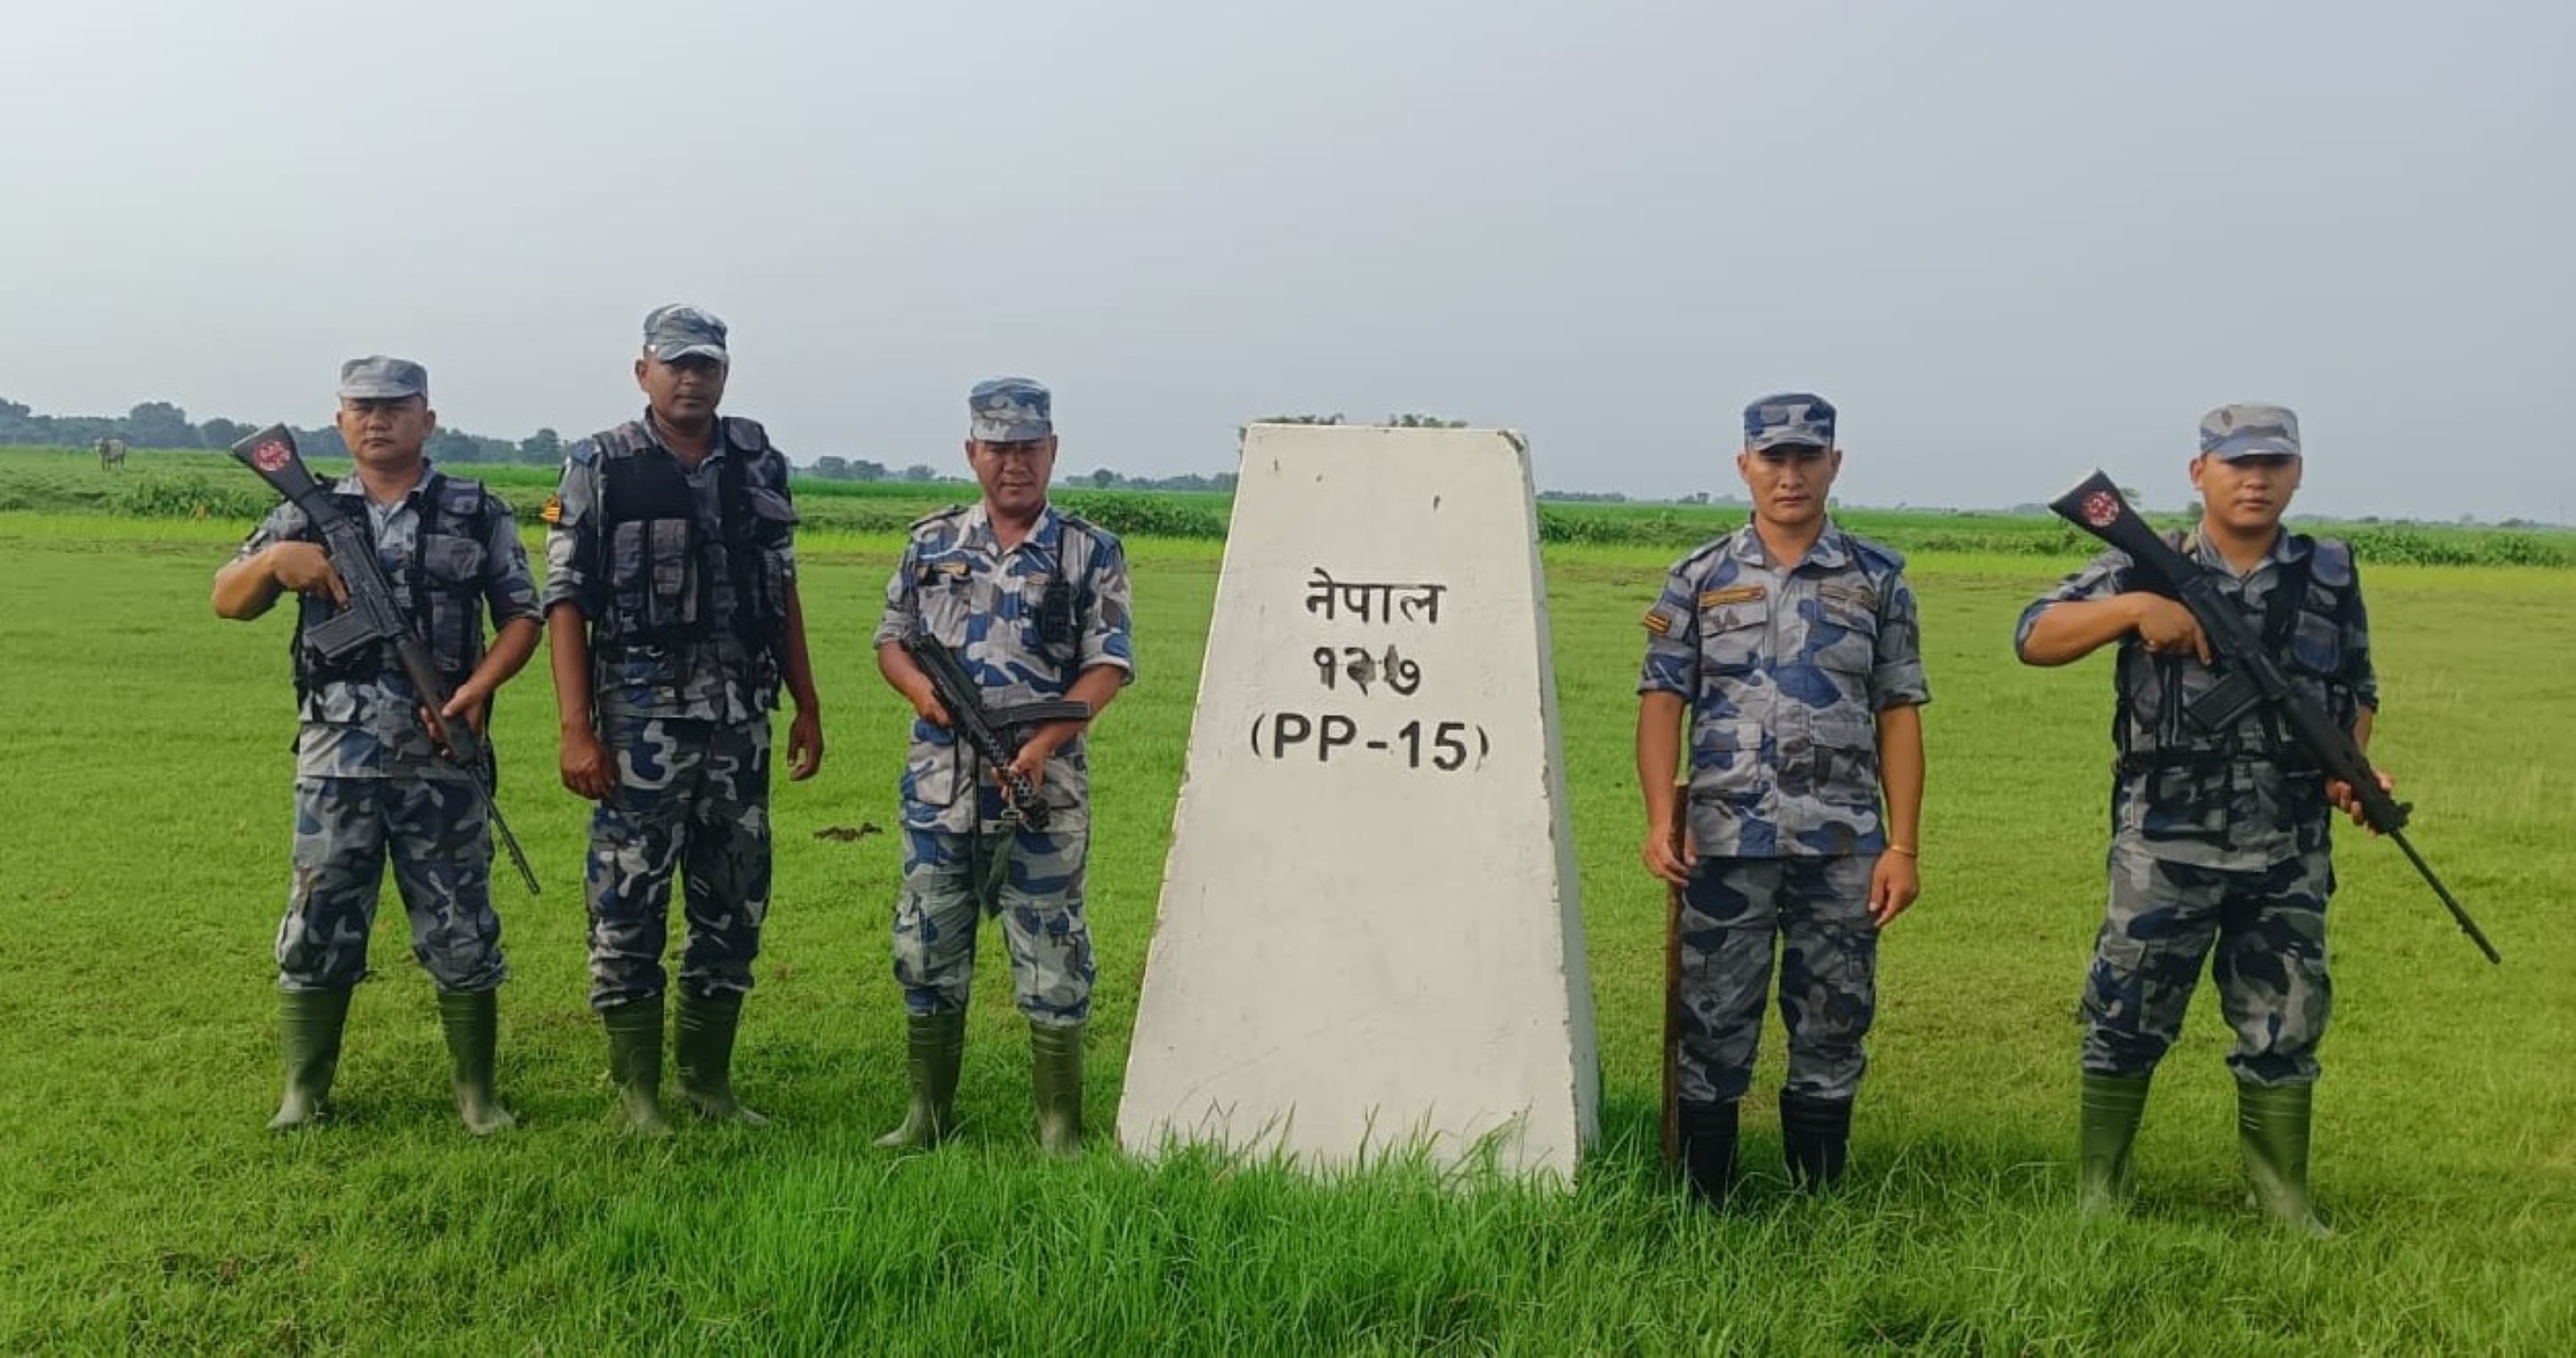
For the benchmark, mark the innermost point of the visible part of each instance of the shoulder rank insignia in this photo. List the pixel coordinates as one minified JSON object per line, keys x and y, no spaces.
{"x":1658,"y":622}
{"x":553,"y":511}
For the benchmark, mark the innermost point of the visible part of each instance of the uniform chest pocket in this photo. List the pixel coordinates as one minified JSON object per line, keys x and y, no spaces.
{"x":652,"y":567}
{"x":1732,"y":633}
{"x":1844,"y":636}
{"x":773,"y":516}
{"x":944,"y":587}
{"x":451,"y":561}
{"x":2316,"y":643}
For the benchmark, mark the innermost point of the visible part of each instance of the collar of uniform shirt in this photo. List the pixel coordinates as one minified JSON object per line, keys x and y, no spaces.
{"x":716,"y":446}
{"x":1829,"y":553}
{"x":2281,"y":552}
{"x":381,"y":513}
{"x":1042,"y":534}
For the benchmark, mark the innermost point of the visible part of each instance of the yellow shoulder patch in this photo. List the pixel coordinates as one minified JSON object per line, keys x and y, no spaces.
{"x":1657,"y":623}
{"x":1736,"y":594}
{"x":553,"y":511}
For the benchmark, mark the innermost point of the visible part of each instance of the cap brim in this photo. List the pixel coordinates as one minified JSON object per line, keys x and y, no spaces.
{"x":377,"y":391}
{"x":1785,"y":439}
{"x":673,"y":353}
{"x":2228,"y":450}
{"x":1009,"y":431}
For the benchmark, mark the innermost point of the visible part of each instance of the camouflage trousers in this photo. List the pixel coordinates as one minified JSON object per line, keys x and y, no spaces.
{"x":435,"y":832}
{"x":1040,"y":904}
{"x":2269,"y":927}
{"x":1818,"y":910}
{"x":692,"y":801}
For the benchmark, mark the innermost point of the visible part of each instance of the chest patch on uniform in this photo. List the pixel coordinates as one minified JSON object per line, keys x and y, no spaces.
{"x":1858,"y":598}
{"x":1733,"y":594}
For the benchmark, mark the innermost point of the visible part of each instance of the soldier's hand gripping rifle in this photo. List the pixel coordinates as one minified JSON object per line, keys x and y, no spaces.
{"x":2249,"y":675}
{"x":994,"y":733}
{"x":372,"y":617}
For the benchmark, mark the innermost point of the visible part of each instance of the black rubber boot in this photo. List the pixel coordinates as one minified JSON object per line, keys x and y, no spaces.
{"x":309,"y":1025}
{"x":2272,"y":1132}
{"x":635,"y":1063}
{"x":1815,"y":1136}
{"x":1055,"y":1067}
{"x":2113,"y":1107}
{"x":1708,"y":1135}
{"x":705,"y":1047}
{"x":934,"y":1048}
{"x":473,"y":1024}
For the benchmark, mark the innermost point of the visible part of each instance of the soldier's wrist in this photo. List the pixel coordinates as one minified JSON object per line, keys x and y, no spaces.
{"x":1909,"y":850}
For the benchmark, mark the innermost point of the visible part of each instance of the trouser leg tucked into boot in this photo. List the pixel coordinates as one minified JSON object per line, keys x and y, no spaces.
{"x":1708,"y":1135}
{"x":472,"y":1020}
{"x":2272,"y":1132}
{"x":635,"y":1062}
{"x":1815,"y":1135}
{"x":705,"y":1045}
{"x":309,"y":1026}
{"x":2113,"y":1107}
{"x":934,"y":1048}
{"x":1055,"y":1063}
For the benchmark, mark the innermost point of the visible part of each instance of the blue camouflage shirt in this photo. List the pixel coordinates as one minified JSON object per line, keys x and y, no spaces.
{"x":1784,"y":671}
{"x":956,"y":582}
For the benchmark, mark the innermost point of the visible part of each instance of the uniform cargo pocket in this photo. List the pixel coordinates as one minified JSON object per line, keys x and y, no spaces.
{"x":1726,"y":760}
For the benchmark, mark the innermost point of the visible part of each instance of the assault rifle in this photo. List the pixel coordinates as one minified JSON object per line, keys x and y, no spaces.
{"x":372,"y":617}
{"x":2249,"y":675}
{"x":995,"y":733}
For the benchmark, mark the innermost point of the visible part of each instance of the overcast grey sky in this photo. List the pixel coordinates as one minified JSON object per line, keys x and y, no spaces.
{"x":2013,"y":241}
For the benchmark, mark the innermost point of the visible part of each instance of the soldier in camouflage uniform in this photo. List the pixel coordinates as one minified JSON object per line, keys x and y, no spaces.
{"x":370,"y":782}
{"x":2218,"y":837}
{"x":1034,"y":603}
{"x":1791,"y":647}
{"x":673,"y":615}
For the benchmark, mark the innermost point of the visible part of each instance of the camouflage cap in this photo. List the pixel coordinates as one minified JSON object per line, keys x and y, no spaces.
{"x":679,"y":331}
{"x":1009,"y":410}
{"x":2236,"y":431}
{"x":378,"y":378}
{"x":1789,"y":417}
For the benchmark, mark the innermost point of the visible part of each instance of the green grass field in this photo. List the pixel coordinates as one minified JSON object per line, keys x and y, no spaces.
{"x":142,"y":1205}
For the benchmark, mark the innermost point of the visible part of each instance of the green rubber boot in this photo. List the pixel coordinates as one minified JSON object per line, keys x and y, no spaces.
{"x":2272,"y":1131}
{"x":1815,"y":1140}
{"x":635,"y":1063}
{"x":705,"y":1045}
{"x":309,"y":1024}
{"x":473,"y":1025}
{"x":934,"y":1048}
{"x":2113,"y":1107}
{"x":1055,"y":1064}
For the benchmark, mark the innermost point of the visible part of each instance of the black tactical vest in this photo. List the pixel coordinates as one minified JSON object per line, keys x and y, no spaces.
{"x":668,"y":581}
{"x":439,"y":587}
{"x":2308,"y":612}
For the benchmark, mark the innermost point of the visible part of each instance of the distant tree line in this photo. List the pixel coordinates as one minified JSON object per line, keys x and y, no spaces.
{"x":159,"y":424}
